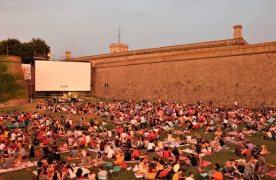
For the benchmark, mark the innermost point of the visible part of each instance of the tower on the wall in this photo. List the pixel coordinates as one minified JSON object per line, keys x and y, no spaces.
{"x":237,"y":31}
{"x":118,"y":47}
{"x":68,"y":55}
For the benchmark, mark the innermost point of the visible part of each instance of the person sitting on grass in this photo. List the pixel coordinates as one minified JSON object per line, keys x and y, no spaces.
{"x":143,"y":167}
{"x":102,"y":174}
{"x":18,"y":161}
{"x":86,"y":161}
{"x":160,"y":145}
{"x":135,"y":155}
{"x":158,"y":166}
{"x":217,"y":175}
{"x":264,"y":150}
{"x":166,"y":153}
{"x":64,"y":147}
{"x":127,"y":155}
{"x":151,"y":146}
{"x":178,"y":175}
{"x":190,"y":177}
{"x":110,"y":153}
{"x":98,"y":160}
{"x":165,"y":172}
{"x":74,"y":153}
{"x":246,"y":152}
{"x":193,"y":160}
{"x":91,"y":175}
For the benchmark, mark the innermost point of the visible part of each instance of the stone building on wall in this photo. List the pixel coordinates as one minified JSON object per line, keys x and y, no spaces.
{"x":219,"y":71}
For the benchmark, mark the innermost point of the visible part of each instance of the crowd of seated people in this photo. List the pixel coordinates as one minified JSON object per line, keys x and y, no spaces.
{"x":136,"y":135}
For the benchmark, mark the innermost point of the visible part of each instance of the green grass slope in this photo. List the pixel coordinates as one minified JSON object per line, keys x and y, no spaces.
{"x":12,"y":83}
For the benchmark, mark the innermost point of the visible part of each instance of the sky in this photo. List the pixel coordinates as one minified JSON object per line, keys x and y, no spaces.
{"x":87,"y":27}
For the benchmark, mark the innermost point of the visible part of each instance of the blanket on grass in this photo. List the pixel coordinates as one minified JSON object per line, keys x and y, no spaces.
{"x":271,"y":174}
{"x":23,"y":166}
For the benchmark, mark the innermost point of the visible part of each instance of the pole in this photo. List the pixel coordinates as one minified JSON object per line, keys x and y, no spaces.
{"x":31,"y":92}
{"x":119,"y":35}
{"x":7,"y":50}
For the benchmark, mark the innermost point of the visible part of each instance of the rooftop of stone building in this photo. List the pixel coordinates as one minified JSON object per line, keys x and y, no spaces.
{"x":182,"y":47}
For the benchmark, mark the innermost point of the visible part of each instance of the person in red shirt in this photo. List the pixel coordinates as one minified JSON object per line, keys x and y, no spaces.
{"x":121,"y":130}
{"x":165,"y":172}
{"x":166,"y":153}
{"x":155,"y":135}
{"x":40,"y":136}
{"x":136,"y":154}
{"x":246,"y":152}
{"x":46,"y":141}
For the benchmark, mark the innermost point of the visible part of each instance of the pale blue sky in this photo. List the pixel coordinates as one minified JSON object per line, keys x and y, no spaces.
{"x":87,"y":27}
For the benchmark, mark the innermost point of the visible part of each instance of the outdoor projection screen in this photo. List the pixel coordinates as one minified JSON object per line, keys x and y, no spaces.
{"x":62,"y":76}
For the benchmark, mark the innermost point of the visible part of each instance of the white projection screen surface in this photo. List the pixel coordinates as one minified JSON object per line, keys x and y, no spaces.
{"x":62,"y":76}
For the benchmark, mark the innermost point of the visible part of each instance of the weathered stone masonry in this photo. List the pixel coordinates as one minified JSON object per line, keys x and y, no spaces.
{"x":218,"y":71}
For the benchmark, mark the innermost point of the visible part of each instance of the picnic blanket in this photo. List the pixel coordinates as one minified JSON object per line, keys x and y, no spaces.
{"x":178,"y":145}
{"x":190,"y":151}
{"x":178,"y":132}
{"x":271,"y":174}
{"x":230,"y":140}
{"x":160,"y":153}
{"x":72,"y":159}
{"x":93,"y":150}
{"x":23,"y":166}
{"x":173,"y":144}
{"x":205,"y":163}
{"x":66,"y":151}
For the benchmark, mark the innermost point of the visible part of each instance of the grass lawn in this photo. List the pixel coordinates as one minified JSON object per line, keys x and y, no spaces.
{"x":219,"y":158}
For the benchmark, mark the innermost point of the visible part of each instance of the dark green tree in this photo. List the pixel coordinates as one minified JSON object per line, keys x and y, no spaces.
{"x":10,"y":47}
{"x":27,"y":51}
{"x":35,"y":48}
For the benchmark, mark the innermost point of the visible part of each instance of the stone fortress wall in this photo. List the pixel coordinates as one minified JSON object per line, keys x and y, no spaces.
{"x":219,"y":71}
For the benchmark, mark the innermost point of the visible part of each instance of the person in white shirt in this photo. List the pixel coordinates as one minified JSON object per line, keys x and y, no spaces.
{"x":225,"y":123}
{"x":123,"y":135}
{"x":151,"y":147}
{"x":2,"y":146}
{"x":133,"y":121}
{"x":107,"y":148}
{"x":190,"y":177}
{"x":110,"y":153}
{"x":109,"y":133}
{"x":13,"y":136}
{"x":70,"y":141}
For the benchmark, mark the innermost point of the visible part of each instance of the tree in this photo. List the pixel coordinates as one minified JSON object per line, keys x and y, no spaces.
{"x":35,"y":48}
{"x":27,"y":51}
{"x":10,"y":47}
{"x":27,"y":55}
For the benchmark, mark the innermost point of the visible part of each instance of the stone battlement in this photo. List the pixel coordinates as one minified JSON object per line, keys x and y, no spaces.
{"x":185,"y":47}
{"x":171,"y":56}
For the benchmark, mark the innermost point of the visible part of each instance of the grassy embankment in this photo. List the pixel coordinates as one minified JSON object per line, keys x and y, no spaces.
{"x":12,"y":83}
